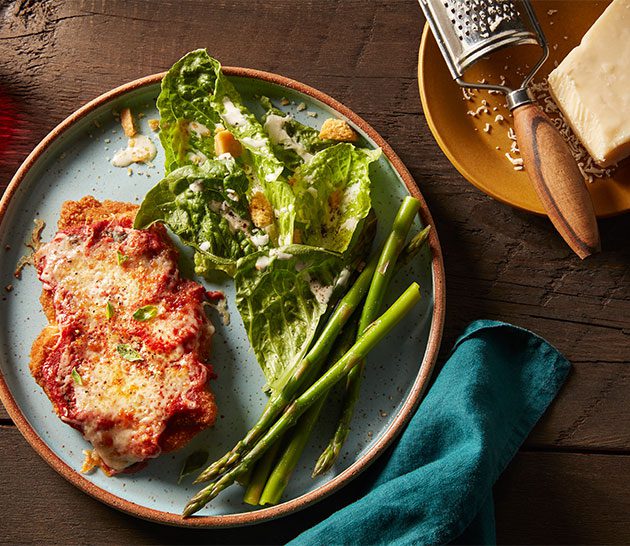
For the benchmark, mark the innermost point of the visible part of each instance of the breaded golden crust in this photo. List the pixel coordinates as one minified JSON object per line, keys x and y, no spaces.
{"x":47,"y":304}
{"x":88,"y":210}
{"x":181,"y":428}
{"x":43,"y":344}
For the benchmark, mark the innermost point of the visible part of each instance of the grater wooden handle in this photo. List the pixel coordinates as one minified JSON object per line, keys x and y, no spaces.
{"x":557,"y":179}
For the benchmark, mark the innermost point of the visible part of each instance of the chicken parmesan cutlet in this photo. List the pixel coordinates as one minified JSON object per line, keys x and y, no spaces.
{"x":124,"y":357}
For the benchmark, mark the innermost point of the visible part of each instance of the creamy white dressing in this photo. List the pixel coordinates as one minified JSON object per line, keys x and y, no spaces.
{"x":197,"y":157}
{"x":262,"y":262}
{"x":352,"y":192}
{"x":286,"y":240}
{"x":225,"y":156}
{"x":231,"y":114}
{"x":350,"y":224}
{"x":236,"y":222}
{"x":205,"y":246}
{"x":343,"y":278}
{"x":274,"y":125}
{"x":196,"y":186}
{"x":260,"y":239}
{"x":199,"y":129}
{"x":270,"y":177}
{"x":215,"y":206}
{"x":253,"y":142}
{"x":279,"y":212}
{"x":280,"y":254}
{"x":140,"y":149}
{"x":321,"y":292}
{"x":232,"y":194}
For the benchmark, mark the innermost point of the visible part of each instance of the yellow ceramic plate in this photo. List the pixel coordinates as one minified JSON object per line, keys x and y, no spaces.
{"x":462,"y":137}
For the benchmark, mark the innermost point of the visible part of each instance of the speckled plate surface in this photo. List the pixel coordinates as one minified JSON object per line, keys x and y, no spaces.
{"x":462,"y":138}
{"x":73,"y":161}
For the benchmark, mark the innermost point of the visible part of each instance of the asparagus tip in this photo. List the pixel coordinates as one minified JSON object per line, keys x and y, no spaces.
{"x":190,"y":509}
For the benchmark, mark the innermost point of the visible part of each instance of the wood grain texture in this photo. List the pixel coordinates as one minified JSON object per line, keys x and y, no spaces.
{"x":558,"y":182}
{"x":500,"y":263}
{"x":564,"y":498}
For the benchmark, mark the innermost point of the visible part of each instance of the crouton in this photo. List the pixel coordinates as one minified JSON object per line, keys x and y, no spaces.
{"x":224,"y":142}
{"x":261,"y":210}
{"x":334,"y":199}
{"x":127,"y":122}
{"x":337,"y":129}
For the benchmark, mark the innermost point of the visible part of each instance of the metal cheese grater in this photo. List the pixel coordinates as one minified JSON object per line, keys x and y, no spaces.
{"x":466,"y":31}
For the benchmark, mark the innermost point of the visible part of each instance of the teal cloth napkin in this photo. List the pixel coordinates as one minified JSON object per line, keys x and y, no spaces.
{"x":436,"y":487}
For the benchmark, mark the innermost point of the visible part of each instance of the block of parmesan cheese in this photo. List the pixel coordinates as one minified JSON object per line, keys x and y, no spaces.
{"x":592,"y":86}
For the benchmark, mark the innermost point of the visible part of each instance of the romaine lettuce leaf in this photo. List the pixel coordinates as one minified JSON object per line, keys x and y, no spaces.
{"x":187,"y":114}
{"x":293,"y":142}
{"x":266,"y":168}
{"x":281,"y":295}
{"x":207,"y":208}
{"x":283,"y":290}
{"x":282,"y":200}
{"x":333,"y":195}
{"x":195,"y":98}
{"x":247,"y":129}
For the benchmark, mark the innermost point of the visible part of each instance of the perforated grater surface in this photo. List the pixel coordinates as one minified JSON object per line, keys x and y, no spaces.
{"x":467,"y":30}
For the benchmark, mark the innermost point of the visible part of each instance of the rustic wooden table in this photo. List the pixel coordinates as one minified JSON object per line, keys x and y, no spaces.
{"x":569,"y":482}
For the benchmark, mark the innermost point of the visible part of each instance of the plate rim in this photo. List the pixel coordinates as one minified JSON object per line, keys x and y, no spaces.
{"x":421,"y":381}
{"x":461,"y":169}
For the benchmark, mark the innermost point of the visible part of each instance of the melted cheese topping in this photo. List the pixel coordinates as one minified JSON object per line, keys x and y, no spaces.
{"x":121,"y":400}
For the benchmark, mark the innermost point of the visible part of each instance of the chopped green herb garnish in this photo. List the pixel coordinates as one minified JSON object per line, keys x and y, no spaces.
{"x":109,"y":310}
{"x":145,"y":313}
{"x":121,"y":258}
{"x":128,"y":353}
{"x":193,"y":462}
{"x":78,"y":380}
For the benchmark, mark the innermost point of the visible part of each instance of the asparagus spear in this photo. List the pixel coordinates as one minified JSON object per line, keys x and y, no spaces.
{"x":373,"y":302}
{"x":260,"y":474}
{"x":372,"y":335}
{"x":279,"y":478}
{"x":414,"y":246}
{"x":307,"y":368}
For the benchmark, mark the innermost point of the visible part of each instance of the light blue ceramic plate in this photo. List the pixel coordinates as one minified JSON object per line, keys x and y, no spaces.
{"x":73,"y":161}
